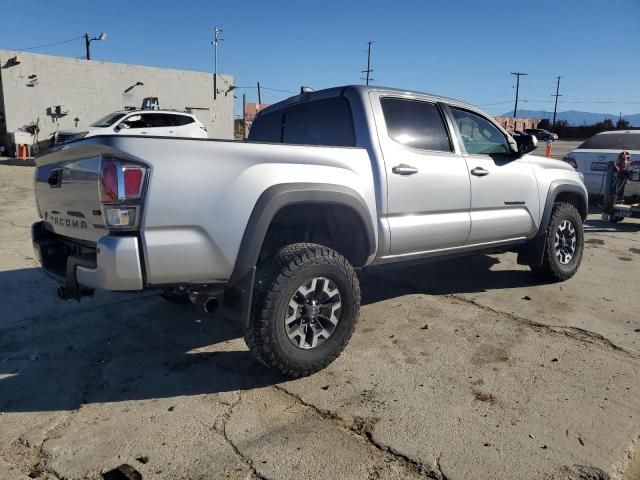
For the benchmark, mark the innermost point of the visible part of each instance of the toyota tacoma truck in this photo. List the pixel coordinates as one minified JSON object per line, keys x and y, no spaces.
{"x":276,"y":227}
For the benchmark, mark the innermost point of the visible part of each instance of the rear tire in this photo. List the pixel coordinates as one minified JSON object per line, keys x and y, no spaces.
{"x":305,"y":309}
{"x":564,"y":244}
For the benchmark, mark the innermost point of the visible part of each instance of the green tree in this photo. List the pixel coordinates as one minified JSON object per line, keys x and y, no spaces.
{"x":623,"y":124}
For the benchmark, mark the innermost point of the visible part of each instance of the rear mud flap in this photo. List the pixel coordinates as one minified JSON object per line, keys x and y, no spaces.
{"x":238,"y":299}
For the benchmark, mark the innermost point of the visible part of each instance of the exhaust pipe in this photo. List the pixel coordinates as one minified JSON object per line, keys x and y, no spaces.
{"x":204,"y":301}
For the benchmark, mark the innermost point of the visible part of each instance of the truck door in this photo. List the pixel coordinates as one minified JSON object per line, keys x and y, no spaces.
{"x":428,"y":190}
{"x":504,"y":191}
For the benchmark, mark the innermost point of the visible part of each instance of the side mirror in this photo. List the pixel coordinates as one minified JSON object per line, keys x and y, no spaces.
{"x":120,"y":126}
{"x":525,"y":143}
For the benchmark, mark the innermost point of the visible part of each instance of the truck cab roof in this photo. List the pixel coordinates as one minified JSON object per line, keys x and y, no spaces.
{"x":362,"y":91}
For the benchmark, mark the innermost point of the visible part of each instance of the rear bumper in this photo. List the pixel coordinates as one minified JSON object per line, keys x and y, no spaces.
{"x":112,"y":263}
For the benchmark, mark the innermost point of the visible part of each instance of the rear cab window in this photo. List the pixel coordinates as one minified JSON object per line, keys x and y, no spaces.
{"x":326,"y":122}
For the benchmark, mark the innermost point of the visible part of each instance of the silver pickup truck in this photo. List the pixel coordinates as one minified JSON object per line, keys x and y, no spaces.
{"x":275,"y":228}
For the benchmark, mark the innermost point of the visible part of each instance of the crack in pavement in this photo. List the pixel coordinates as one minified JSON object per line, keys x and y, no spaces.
{"x":365,"y":432}
{"x":575,"y":333}
{"x":222,"y":429}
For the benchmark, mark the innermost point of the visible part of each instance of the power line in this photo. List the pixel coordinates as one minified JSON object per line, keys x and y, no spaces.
{"x":518,"y":75}
{"x":50,"y":44}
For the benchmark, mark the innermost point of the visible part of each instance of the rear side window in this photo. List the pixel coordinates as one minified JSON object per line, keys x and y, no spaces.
{"x":180,"y":120}
{"x":613,"y":141}
{"x":415,"y":124}
{"x":159,"y":120}
{"x":320,"y":122}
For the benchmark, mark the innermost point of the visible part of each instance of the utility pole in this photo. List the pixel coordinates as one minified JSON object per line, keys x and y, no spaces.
{"x":244,"y":116}
{"x":518,"y":75}
{"x":217,"y":38}
{"x":369,"y":70}
{"x":87,"y":44}
{"x":259,"y":96}
{"x":555,"y":107}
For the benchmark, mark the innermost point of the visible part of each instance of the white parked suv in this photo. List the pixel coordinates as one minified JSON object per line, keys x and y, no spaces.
{"x":152,"y":123}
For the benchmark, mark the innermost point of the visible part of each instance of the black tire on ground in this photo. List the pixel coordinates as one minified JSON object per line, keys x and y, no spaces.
{"x":278,"y":283}
{"x":552,"y":267}
{"x":614,"y":219}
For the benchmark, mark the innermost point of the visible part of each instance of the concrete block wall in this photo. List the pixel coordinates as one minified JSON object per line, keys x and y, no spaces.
{"x":88,"y":90}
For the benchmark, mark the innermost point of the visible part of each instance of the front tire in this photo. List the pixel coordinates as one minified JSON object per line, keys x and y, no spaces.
{"x":305,"y":309}
{"x":564,"y":244}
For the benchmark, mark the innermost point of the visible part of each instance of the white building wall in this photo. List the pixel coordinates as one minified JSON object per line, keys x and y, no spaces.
{"x":88,"y":90}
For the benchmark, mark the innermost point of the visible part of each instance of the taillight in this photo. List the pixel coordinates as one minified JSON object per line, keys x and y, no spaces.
{"x":133,"y":181}
{"x":571,"y":161}
{"x":121,"y":185}
{"x":109,"y":180}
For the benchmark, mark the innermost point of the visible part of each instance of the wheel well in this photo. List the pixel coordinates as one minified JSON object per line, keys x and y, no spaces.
{"x":336,"y":226}
{"x":574,"y":199}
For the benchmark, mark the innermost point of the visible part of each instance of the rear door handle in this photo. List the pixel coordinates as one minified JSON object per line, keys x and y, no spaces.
{"x":479,"y":172}
{"x":404,"y":169}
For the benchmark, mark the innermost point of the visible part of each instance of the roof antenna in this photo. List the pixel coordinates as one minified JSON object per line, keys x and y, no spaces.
{"x":304,"y":90}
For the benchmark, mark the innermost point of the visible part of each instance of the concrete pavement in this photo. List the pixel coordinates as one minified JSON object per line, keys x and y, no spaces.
{"x":458,"y":370}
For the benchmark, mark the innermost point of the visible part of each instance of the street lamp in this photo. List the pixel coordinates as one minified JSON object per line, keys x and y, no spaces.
{"x":217,"y":38}
{"x":87,"y":41}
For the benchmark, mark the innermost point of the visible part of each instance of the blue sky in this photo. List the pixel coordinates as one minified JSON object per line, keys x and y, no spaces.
{"x":464,"y":49}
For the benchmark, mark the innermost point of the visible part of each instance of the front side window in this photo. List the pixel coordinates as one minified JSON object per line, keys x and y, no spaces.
{"x":415,"y":124}
{"x":479,"y":135}
{"x":137,"y":121}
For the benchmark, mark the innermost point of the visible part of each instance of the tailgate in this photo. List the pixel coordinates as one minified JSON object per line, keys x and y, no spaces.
{"x":68,"y":191}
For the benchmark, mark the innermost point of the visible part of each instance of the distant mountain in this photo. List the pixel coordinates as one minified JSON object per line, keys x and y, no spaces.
{"x":577,"y":118}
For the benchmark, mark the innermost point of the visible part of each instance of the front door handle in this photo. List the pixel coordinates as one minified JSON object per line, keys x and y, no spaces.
{"x":404,"y":169}
{"x":479,"y":172}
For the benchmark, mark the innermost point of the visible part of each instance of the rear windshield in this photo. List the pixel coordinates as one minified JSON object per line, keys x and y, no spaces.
{"x":319,"y":122}
{"x":613,"y":141}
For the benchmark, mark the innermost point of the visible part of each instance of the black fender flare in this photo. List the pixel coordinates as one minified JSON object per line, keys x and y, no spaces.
{"x":270,"y":202}
{"x":534,"y":251}
{"x":556,"y":188}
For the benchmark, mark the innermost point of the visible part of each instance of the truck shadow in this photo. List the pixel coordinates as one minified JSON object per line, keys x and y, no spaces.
{"x":446,"y":277}
{"x":112,"y":348}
